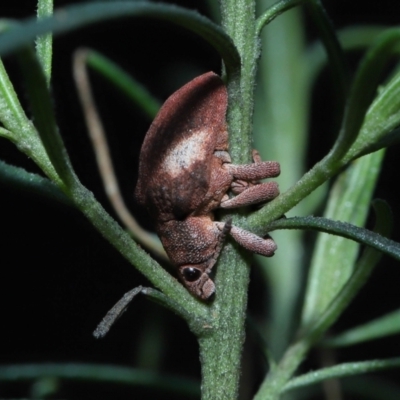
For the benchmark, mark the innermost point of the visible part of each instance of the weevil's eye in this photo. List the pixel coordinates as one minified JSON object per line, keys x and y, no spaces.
{"x":191,"y":274}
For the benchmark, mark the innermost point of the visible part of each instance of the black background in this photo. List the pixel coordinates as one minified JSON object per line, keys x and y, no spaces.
{"x":58,"y":277}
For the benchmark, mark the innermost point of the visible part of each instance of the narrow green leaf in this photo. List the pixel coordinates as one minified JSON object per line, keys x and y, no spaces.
{"x":364,"y":267}
{"x":44,"y":43}
{"x":383,"y":117}
{"x":280,"y":130}
{"x":334,"y":256}
{"x":43,"y":113}
{"x":386,"y":325}
{"x":12,"y":115}
{"x":74,"y":17}
{"x":102,"y":374}
{"x":122,"y":80}
{"x":343,"y":229}
{"x":20,"y":179}
{"x":342,"y":370}
{"x":364,"y":88}
{"x":277,"y":379}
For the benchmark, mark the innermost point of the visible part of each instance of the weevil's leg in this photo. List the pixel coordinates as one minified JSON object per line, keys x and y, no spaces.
{"x":223,"y":155}
{"x":254,"y":243}
{"x":256,"y":156}
{"x":225,"y":229}
{"x":253,"y":195}
{"x":254,"y":172}
{"x":239,"y":185}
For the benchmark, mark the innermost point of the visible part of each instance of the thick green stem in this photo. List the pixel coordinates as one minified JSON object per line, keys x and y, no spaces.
{"x":238,"y":19}
{"x":220,"y":352}
{"x":221,"y":349}
{"x":272,"y":386}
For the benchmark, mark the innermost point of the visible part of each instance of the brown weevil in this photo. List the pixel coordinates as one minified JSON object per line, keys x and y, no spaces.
{"x":185,"y":172}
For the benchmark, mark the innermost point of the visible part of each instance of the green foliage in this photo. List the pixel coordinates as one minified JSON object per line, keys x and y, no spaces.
{"x":370,"y":122}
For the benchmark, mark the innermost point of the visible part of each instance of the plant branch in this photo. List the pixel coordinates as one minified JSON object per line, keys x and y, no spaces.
{"x":74,"y":17}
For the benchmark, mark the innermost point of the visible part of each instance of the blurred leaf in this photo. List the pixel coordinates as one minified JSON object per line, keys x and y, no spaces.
{"x":382,"y":118}
{"x":386,"y":325}
{"x":334,"y":257}
{"x":100,"y":373}
{"x":363,"y":91}
{"x":280,"y":130}
{"x":362,"y":271}
{"x":342,"y":370}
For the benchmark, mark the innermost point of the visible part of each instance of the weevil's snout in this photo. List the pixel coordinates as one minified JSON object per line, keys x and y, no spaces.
{"x":197,"y":281}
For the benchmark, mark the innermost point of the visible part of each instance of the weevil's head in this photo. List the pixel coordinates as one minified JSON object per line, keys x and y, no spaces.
{"x":197,"y":281}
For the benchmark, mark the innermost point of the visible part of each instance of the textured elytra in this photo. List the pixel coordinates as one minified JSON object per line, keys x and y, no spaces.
{"x":184,"y":116}
{"x":185,"y":173}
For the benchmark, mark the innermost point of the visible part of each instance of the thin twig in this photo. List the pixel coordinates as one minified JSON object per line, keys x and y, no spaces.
{"x":116,"y":311}
{"x":103,"y":158}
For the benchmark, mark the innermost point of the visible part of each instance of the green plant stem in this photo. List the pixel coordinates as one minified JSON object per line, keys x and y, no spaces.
{"x":276,"y":379}
{"x":315,"y":177}
{"x":238,"y":19}
{"x":220,"y":350}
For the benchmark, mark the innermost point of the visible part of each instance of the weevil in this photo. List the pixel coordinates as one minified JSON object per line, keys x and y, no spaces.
{"x":185,"y":173}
